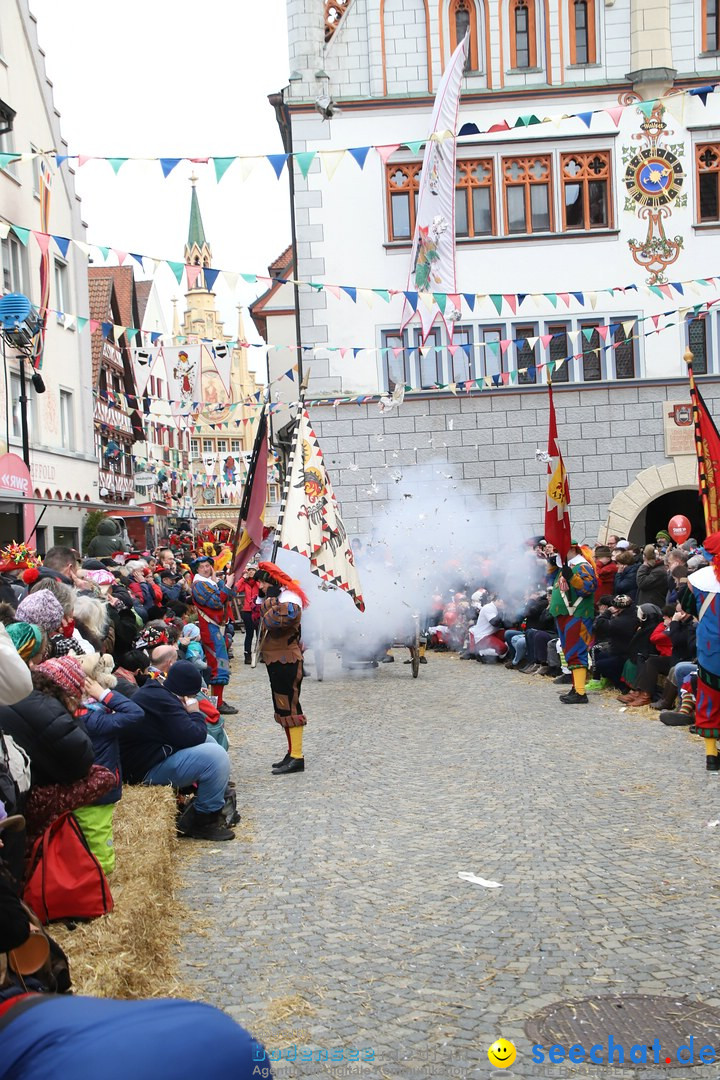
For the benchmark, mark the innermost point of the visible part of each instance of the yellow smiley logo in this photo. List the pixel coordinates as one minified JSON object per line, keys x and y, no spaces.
{"x":502,"y":1053}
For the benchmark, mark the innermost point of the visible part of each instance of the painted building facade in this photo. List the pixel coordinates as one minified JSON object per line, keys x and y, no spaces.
{"x":63,"y":465}
{"x":586,"y":225}
{"x":221,"y":439}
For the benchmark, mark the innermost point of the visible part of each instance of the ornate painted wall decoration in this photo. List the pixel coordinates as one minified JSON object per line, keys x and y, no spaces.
{"x":654,"y":178}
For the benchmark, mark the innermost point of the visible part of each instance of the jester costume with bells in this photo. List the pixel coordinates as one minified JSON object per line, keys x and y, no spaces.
{"x":573,"y":605}
{"x":211,"y":598}
{"x":702,"y":599}
{"x":281,"y":613}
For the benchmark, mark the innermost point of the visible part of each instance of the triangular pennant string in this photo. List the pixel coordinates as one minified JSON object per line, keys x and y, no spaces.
{"x":222,"y":164}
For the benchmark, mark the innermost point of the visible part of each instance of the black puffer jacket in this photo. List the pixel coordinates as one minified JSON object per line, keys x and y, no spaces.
{"x":617,"y":630}
{"x":59,"y":748}
{"x":652,"y":584}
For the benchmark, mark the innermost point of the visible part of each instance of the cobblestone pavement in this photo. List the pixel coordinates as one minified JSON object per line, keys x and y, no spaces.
{"x":338,"y":918}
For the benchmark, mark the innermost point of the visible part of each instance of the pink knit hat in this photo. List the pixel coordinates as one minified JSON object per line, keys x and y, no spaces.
{"x":66,"y":672}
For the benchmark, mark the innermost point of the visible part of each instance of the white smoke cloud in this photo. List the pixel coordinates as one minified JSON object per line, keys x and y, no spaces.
{"x":430,"y":538}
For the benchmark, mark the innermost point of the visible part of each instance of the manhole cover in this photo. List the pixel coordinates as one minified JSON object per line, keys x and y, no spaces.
{"x":668,"y":1031}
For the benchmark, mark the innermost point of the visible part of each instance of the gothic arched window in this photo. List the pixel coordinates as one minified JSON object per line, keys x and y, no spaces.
{"x":463,"y":19}
{"x":582,"y":32}
{"x":523,"y":39}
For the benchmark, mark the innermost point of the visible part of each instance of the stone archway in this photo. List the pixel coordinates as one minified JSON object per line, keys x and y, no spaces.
{"x":629,"y":504}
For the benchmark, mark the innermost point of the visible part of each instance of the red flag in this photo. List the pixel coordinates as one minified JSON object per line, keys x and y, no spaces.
{"x":707,"y":446}
{"x":251,"y":519}
{"x":557,"y":516}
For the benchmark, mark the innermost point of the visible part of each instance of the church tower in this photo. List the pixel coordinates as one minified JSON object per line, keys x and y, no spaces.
{"x":223,"y":432}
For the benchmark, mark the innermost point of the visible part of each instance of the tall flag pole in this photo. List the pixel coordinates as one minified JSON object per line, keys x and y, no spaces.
{"x":432,"y":262}
{"x":251,"y":517}
{"x":44,"y":193}
{"x":311,"y":523}
{"x":707,"y":448}
{"x":557,"y":514}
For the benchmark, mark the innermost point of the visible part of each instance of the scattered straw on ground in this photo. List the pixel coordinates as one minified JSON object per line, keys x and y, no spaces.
{"x":286,"y":1008}
{"x":131,"y":952}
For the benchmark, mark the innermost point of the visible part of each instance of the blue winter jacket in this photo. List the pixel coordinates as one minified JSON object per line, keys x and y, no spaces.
{"x":168,"y":726}
{"x":104,"y":721}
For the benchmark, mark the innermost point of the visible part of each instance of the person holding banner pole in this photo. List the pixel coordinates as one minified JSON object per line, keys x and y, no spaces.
{"x":281,"y":614}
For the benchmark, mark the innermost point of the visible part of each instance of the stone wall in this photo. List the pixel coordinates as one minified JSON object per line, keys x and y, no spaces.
{"x":487,"y":442}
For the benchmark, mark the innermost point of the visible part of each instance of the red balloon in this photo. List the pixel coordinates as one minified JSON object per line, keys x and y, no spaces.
{"x":679,"y":528}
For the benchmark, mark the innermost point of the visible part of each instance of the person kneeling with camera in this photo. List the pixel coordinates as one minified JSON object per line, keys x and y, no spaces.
{"x":173,"y":747}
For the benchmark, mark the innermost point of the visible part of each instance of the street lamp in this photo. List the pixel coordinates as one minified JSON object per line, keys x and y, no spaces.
{"x":20,"y":325}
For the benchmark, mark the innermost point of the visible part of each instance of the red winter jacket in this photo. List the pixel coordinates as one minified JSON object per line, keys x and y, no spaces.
{"x":249,"y":590}
{"x":660,"y":638}
{"x":606,"y":580}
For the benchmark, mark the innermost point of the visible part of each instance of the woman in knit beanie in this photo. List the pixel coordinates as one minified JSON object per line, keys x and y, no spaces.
{"x":43,"y":610}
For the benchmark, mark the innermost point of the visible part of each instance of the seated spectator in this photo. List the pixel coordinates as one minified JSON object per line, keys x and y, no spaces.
{"x":614,"y":630}
{"x":641,"y":646}
{"x":627,"y":562}
{"x":606,"y":571}
{"x":488,"y":634}
{"x":92,"y":622}
{"x":172,"y":746}
{"x":174,"y":592}
{"x":190,"y":648}
{"x":15,"y":681}
{"x":125,"y":622}
{"x":147,"y":595}
{"x":43,"y":609}
{"x":63,"y":776}
{"x":540,"y":629}
{"x":161,"y":660}
{"x":43,"y":723}
{"x":105,"y":714}
{"x":131,"y":672}
{"x":63,"y":564}
{"x":30,"y":641}
{"x":652,"y":578}
{"x":674,"y":640}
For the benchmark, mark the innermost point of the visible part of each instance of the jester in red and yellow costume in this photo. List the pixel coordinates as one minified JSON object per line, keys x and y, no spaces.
{"x":702,"y":599}
{"x":281,"y":613}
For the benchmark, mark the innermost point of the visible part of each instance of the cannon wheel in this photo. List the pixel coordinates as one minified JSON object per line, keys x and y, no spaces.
{"x":415,"y":656}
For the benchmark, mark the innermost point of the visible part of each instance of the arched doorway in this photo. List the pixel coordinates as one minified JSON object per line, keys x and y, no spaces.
{"x":628,"y":512}
{"x":656,"y":515}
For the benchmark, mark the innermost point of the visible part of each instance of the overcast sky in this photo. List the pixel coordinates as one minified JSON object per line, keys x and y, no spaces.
{"x":173,"y":78}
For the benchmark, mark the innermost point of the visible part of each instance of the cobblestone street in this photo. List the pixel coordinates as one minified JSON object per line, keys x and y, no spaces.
{"x":338,"y":917}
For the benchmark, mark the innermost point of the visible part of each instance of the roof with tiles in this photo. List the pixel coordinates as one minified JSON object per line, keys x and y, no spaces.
{"x":100,"y":289}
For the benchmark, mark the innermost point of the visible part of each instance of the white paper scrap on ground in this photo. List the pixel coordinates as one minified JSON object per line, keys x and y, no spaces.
{"x":475,"y":880}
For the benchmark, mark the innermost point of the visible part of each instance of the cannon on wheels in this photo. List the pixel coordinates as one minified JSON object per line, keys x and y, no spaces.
{"x":412,"y":643}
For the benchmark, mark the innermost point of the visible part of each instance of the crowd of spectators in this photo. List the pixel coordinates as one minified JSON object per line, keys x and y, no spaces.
{"x":643,"y":638}
{"x":104,"y":681}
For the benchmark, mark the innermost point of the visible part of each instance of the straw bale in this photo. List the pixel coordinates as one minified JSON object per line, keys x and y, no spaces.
{"x":132,"y":952}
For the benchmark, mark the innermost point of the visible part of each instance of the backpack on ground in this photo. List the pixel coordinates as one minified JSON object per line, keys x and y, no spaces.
{"x":65,"y":880}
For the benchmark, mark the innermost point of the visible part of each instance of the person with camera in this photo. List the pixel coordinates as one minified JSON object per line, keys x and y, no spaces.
{"x":280,"y":614}
{"x":172,"y":746}
{"x":652,"y":578}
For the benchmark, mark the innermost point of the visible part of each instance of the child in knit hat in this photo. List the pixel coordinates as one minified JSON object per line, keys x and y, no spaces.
{"x":30,"y":641}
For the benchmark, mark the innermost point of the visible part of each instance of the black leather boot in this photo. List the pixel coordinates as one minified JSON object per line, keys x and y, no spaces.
{"x":712,"y":763}
{"x":204,"y":826}
{"x":295,"y":764}
{"x":277,"y":764}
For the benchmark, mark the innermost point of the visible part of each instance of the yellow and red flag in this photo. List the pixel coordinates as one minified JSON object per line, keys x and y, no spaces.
{"x":707,"y":447}
{"x":251,"y":519}
{"x":557,"y":513}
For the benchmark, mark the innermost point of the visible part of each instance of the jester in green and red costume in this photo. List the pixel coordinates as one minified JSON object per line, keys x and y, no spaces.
{"x":573,"y":605}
